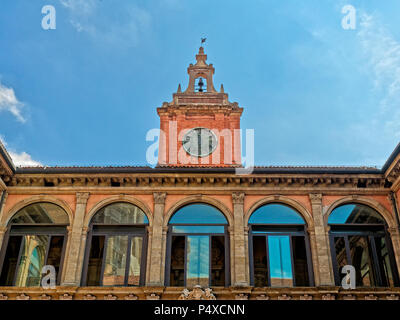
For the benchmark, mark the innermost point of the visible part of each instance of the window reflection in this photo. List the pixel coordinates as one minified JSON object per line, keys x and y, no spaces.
{"x":341,"y":254}
{"x":384,"y":261}
{"x":36,"y":238}
{"x":280,"y":261}
{"x":359,"y":237}
{"x":46,"y":213}
{"x":362,"y":261}
{"x":197,"y":247}
{"x":280,"y":255}
{"x":355,"y":213}
{"x":32,"y":260}
{"x":135,"y":261}
{"x":198,"y":229}
{"x":275,"y":214}
{"x":197,"y":261}
{"x":198,"y":214}
{"x":115,"y":263}
{"x":120,"y":213}
{"x":116,"y":247}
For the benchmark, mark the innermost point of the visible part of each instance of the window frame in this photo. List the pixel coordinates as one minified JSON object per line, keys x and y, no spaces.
{"x":107,"y":230}
{"x":170,"y":234}
{"x":41,"y":229}
{"x":282,"y":229}
{"x":371,"y":231}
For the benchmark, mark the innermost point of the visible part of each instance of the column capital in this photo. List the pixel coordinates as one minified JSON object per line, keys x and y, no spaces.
{"x":159,"y":197}
{"x":165,"y":230}
{"x":82,"y":197}
{"x":238,"y":197}
{"x":3,"y":229}
{"x":315,"y":198}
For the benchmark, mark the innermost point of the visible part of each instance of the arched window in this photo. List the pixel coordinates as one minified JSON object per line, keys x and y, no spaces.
{"x":116,"y":248}
{"x":359,"y":238}
{"x":279,"y":248}
{"x":197,"y":247}
{"x":36,"y":237}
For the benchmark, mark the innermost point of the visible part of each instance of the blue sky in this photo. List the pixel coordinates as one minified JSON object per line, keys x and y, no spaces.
{"x":86,"y":93}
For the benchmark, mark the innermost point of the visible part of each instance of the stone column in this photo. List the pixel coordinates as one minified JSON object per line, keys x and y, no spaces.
{"x":395,"y":237}
{"x":323,"y":259}
{"x":3,"y":228}
{"x":156,"y":277}
{"x":77,"y":240}
{"x":314,"y":255}
{"x":240,"y":278}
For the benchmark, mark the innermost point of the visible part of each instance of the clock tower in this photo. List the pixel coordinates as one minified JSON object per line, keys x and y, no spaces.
{"x":200,"y":127}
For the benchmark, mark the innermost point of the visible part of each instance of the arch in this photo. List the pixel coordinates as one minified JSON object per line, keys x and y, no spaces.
{"x":387,"y":216}
{"x":37,"y":199}
{"x":199,"y":199}
{"x":297,"y":206}
{"x":191,"y":213}
{"x":115,"y":199}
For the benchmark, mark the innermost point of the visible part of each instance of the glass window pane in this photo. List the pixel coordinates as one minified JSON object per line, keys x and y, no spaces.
{"x":55,"y":252}
{"x":115,"y":262}
{"x":218,"y":261}
{"x":10,"y":261}
{"x":355,"y":213}
{"x":198,"y":261}
{"x":341,"y":256}
{"x":198,"y":214}
{"x":260,"y":261}
{"x":32,"y":260}
{"x":362,"y":261}
{"x":198,"y":229}
{"x":177,"y":274}
{"x":95,"y":261}
{"x":135,"y":261}
{"x":300,"y":262}
{"x":385,"y":267}
{"x":120,"y":213}
{"x":41,"y":213}
{"x":276,"y":214}
{"x":280,"y":261}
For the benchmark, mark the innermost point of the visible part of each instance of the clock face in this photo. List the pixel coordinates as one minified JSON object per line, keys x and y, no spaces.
{"x":200,"y":142}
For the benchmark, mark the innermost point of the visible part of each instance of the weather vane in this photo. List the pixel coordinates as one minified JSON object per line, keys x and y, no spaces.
{"x":203,"y":40}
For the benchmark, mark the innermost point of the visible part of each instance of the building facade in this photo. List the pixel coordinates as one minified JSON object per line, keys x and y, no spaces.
{"x":194,"y":227}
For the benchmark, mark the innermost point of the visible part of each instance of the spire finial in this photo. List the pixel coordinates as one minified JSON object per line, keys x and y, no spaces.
{"x":222,"y":88}
{"x":179,"y":88}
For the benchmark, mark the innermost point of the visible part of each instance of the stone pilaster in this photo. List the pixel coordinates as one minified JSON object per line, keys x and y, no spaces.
{"x":395,"y":237}
{"x":239,"y":258}
{"x":322,"y":261}
{"x":77,"y":240}
{"x":156,"y":254}
{"x":314,"y":254}
{"x":3,"y":228}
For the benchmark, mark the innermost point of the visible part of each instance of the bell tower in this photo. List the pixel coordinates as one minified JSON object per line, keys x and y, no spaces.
{"x":200,"y":127}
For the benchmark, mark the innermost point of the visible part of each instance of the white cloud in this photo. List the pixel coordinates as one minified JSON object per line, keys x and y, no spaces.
{"x":80,"y":7}
{"x":10,"y":103}
{"x":21,"y":159}
{"x":103,"y":27}
{"x":382,"y":52}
